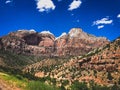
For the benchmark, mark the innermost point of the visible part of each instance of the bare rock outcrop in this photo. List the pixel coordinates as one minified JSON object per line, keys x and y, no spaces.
{"x":76,"y":42}
{"x":107,"y":59}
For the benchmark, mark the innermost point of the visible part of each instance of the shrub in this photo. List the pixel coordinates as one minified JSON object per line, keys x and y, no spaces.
{"x":79,"y":86}
{"x":94,"y":86}
{"x":37,"y":85}
{"x":109,"y":76}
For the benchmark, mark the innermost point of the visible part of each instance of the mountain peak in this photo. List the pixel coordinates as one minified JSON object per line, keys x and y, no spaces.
{"x":24,"y":31}
{"x":63,"y":34}
{"x":77,"y":32}
{"x":46,"y":32}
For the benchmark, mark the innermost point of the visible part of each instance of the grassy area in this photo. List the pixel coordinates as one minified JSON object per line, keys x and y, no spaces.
{"x":25,"y":84}
{"x":37,"y":85}
{"x":11,"y":80}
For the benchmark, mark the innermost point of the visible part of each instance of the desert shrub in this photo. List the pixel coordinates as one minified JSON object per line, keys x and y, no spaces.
{"x":65,"y":82}
{"x":94,"y":86}
{"x":37,"y":85}
{"x":115,"y":87}
{"x":79,"y":86}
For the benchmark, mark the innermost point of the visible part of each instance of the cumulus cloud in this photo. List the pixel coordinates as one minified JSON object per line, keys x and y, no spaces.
{"x":118,"y":16}
{"x":8,"y":1}
{"x":101,"y":26}
{"x":45,"y":5}
{"x":74,"y":5}
{"x":102,"y":22}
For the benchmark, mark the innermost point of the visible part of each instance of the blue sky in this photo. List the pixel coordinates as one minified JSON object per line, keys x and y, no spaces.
{"x":98,"y":17}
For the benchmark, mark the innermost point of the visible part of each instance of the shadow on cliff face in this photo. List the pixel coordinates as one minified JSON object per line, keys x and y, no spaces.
{"x":32,"y":39}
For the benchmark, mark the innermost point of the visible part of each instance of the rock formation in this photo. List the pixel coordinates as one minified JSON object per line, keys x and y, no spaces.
{"x":76,"y":42}
{"x":107,"y":59}
{"x":102,"y":65}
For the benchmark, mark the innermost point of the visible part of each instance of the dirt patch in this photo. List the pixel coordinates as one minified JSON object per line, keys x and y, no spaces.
{"x":5,"y":86}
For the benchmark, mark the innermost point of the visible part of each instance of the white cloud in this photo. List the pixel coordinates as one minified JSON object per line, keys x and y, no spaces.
{"x":103,"y":21}
{"x":101,"y":26}
{"x":8,"y":1}
{"x":118,"y":16}
{"x":45,"y":5}
{"x":75,"y":4}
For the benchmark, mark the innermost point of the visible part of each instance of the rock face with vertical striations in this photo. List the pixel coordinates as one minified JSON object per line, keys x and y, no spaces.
{"x":30,"y":42}
{"x":77,"y":42}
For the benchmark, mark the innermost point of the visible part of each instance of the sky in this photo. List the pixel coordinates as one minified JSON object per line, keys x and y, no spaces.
{"x":97,"y":17}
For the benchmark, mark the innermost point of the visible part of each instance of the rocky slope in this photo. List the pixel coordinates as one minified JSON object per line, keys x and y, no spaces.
{"x":107,"y":59}
{"x":30,"y":42}
{"x":101,"y":65}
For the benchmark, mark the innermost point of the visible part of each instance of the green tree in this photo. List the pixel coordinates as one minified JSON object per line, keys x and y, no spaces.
{"x":109,"y":76}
